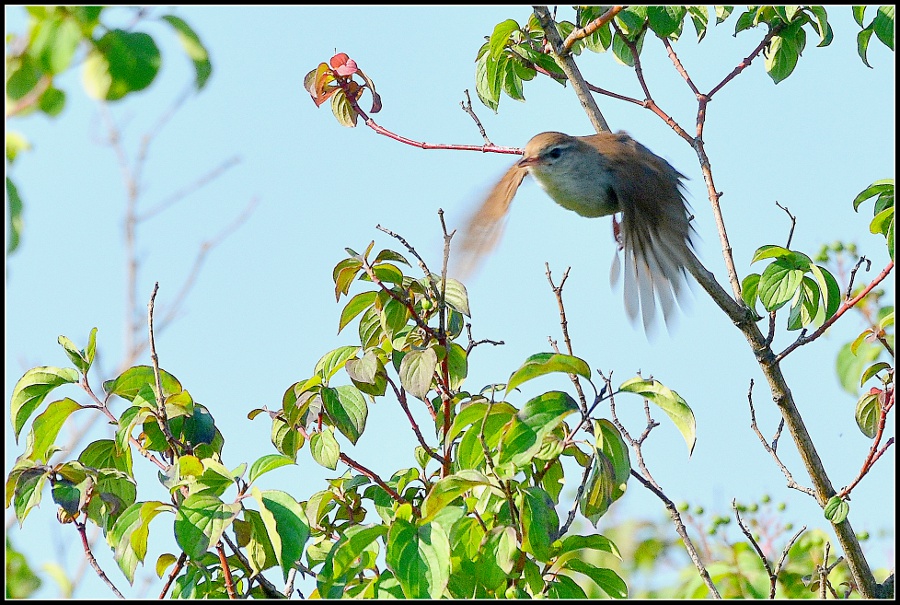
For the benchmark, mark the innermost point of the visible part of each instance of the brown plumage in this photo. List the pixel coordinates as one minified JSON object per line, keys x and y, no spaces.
{"x":600,"y":175}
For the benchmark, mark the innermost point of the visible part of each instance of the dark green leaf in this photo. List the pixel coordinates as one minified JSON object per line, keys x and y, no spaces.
{"x":121,"y":62}
{"x":419,"y":556}
{"x":200,"y":521}
{"x":286,"y":524}
{"x":193,"y":48}
{"x":665,"y":20}
{"x":131,"y":381}
{"x":347,"y":408}
{"x":884,"y":25}
{"x":540,"y":523}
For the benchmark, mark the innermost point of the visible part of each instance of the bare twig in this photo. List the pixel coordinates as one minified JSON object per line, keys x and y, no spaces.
{"x":773,"y":577}
{"x":90,"y":556}
{"x":467,"y":107}
{"x":793,"y":224}
{"x":791,"y":483}
{"x":862,"y":259}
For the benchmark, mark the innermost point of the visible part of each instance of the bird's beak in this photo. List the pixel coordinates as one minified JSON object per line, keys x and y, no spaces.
{"x":528,"y":161}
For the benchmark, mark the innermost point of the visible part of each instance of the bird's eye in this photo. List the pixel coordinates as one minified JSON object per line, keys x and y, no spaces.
{"x":554,"y":153}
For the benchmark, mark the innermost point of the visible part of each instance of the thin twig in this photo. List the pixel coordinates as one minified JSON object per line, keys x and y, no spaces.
{"x":773,"y":577}
{"x":862,"y":259}
{"x":90,"y":555}
{"x":467,"y":107}
{"x":793,"y":224}
{"x":791,"y":483}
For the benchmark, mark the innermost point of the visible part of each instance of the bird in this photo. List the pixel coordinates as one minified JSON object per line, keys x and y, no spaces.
{"x":602,"y":175}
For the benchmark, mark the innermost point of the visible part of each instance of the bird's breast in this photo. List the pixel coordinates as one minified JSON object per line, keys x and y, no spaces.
{"x":588,"y":195}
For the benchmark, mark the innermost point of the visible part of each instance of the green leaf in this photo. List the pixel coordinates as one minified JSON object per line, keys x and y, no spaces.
{"x":45,"y":428}
{"x":103,"y":453}
{"x":14,"y":203}
{"x":458,"y":365}
{"x":31,"y":390}
{"x":343,"y":275}
{"x":121,"y":62}
{"x":368,"y":374}
{"x":347,"y":408}
{"x":28,"y":487}
{"x":419,"y":556}
{"x":878,"y":188}
{"x":826,"y":34}
{"x":782,"y":53}
{"x":749,"y":288}
{"x":598,"y":492}
{"x":609,"y":443}
{"x":700,"y":18}
{"x":53,"y":44}
{"x":193,"y":48}
{"x":200,"y":521}
{"x":862,"y":44}
{"x":128,"y":536}
{"x":500,"y":37}
{"x":829,"y":288}
{"x":354,"y":307}
{"x":606,"y":580}
{"x":267,"y":463}
{"x":778,"y":284}
{"x":540,"y":523}
{"x":836,"y":510}
{"x":524,"y":434}
{"x":131,"y":381}
{"x":486,"y":87}
{"x":669,"y":402}
{"x":666,"y":20}
{"x":324,"y":448}
{"x":417,"y":371}
{"x":448,"y":489}
{"x":850,"y":366}
{"x":722,"y":13}
{"x":331,"y":362}
{"x":884,"y":25}
{"x":344,"y":558}
{"x":868,"y":414}
{"x":286,"y":524}
{"x":859,"y":13}
{"x":545,"y":363}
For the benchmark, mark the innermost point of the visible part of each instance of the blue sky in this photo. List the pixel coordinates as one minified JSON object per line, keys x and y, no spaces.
{"x":262,"y":312}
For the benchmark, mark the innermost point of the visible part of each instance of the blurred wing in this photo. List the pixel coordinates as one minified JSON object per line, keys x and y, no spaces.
{"x":485,"y":227}
{"x":656,"y":236}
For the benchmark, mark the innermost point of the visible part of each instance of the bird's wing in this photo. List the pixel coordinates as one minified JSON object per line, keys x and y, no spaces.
{"x":485,"y":226}
{"x":656,"y":232}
